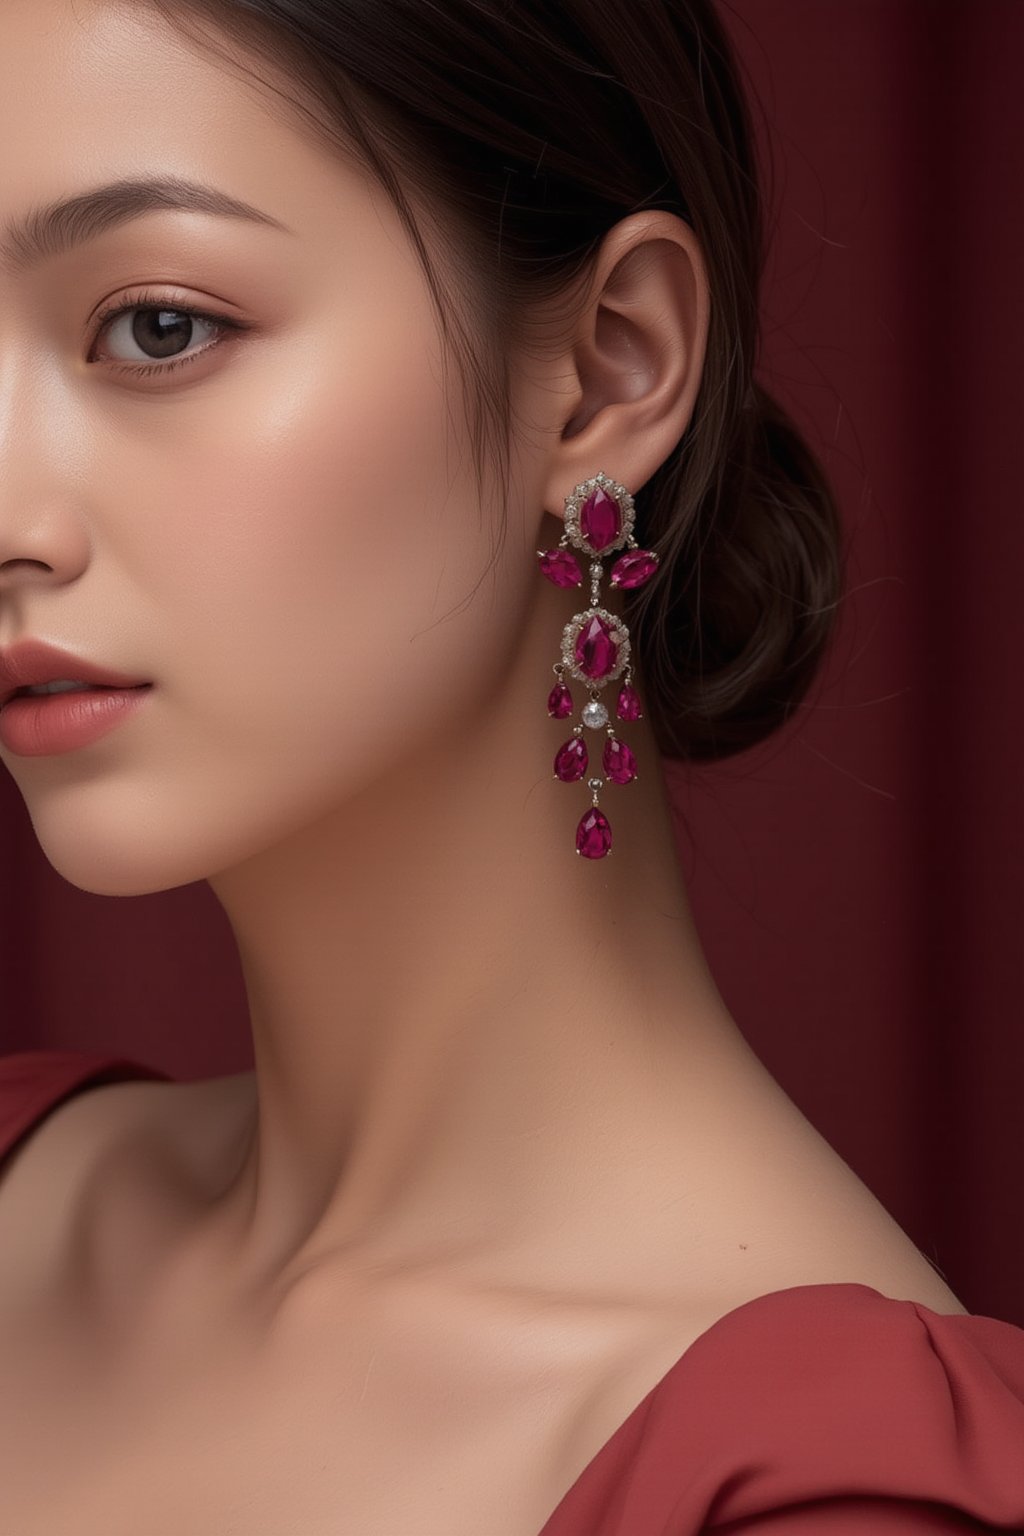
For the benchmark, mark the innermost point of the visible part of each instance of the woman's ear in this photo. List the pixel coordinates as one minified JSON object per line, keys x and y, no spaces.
{"x":635,"y":357}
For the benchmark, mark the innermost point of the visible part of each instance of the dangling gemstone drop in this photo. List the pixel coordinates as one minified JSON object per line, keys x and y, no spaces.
{"x":634,"y":568}
{"x":627,"y":706}
{"x":571,"y":760}
{"x":560,"y":566}
{"x":594,"y":834}
{"x":618,"y":761}
{"x":559,"y":702}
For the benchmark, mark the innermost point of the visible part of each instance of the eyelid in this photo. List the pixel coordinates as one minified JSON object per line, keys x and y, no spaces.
{"x":148,"y":299}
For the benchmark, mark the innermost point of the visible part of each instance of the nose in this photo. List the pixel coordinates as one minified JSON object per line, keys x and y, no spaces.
{"x":43,"y":536}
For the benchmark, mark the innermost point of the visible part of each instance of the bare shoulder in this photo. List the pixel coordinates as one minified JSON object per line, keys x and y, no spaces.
{"x":101,"y":1135}
{"x":801,"y":1215}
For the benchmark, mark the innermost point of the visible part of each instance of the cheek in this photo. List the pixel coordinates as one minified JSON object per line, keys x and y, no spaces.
{"x":316,"y":603}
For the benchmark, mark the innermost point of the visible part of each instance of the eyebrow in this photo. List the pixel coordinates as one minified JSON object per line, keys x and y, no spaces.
{"x":57,"y":227}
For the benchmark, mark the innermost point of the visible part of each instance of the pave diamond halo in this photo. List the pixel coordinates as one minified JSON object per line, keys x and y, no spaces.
{"x":610,"y":654}
{"x":590,"y":497}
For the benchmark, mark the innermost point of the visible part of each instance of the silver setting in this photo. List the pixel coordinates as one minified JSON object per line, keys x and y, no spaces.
{"x":595,"y":785}
{"x":574,"y":505}
{"x":570,"y":634}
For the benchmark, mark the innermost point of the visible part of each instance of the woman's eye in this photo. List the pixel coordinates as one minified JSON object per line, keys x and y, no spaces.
{"x":153,"y":336}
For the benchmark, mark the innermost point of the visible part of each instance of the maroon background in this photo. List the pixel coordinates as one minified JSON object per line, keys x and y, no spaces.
{"x":858,"y":881}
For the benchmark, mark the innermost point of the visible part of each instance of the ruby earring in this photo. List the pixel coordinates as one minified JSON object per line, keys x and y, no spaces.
{"x":599,"y":518}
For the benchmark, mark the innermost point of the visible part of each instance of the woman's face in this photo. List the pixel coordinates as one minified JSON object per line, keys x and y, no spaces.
{"x":277,"y":525}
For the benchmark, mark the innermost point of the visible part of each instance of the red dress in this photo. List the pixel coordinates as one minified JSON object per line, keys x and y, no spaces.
{"x":818,"y":1410}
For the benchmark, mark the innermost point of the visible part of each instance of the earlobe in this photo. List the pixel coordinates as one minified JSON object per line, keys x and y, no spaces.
{"x":637,"y":353}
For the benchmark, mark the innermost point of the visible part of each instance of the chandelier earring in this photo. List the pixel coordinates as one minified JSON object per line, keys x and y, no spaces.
{"x":599,"y":519}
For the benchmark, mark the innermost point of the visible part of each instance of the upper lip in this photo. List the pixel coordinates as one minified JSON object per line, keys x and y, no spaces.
{"x":33,"y":661}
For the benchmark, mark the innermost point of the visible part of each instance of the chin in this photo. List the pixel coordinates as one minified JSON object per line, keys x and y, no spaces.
{"x":110,"y":870}
{"x":115,"y":837}
{"x":116,"y":853}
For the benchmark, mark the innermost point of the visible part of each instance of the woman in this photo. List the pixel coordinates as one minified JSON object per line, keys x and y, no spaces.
{"x":380,"y":431}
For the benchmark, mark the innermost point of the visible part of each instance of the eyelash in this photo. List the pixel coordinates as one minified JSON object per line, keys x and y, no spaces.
{"x":147,"y":300}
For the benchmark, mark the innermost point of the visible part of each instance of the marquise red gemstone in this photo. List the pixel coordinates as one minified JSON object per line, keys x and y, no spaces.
{"x":561,"y":567}
{"x":619,"y":761}
{"x":571,"y":760}
{"x":627,"y":706}
{"x":594,"y":834}
{"x":634,"y":568}
{"x":596,"y":649}
{"x":559,"y":702}
{"x":600,"y":519}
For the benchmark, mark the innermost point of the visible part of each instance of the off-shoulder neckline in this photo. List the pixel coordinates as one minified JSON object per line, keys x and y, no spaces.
{"x":681,"y":1365}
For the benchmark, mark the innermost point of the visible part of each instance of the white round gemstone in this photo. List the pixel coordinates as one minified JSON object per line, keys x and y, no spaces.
{"x":595,"y":715}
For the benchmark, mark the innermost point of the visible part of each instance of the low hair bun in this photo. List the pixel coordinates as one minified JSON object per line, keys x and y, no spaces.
{"x":729,"y":635}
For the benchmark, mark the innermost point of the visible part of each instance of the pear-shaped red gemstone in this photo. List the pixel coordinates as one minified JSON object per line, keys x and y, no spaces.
{"x":627,"y":706}
{"x":594,"y":834}
{"x":619,"y":761}
{"x":571,"y":760}
{"x":561,"y":567}
{"x":634,"y":568}
{"x":559,"y":702}
{"x":596,"y":648}
{"x":600,"y":519}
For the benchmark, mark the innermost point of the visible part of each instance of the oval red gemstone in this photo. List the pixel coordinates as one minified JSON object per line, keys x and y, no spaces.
{"x":600,"y":519}
{"x":627,"y":706}
{"x":619,"y":761}
{"x":634,"y":568}
{"x":596,"y":649}
{"x":594,"y":834}
{"x":561,"y":567}
{"x":571,"y":760}
{"x":559,"y":702}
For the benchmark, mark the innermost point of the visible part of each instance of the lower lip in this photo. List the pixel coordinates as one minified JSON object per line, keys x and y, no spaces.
{"x":44,"y":724}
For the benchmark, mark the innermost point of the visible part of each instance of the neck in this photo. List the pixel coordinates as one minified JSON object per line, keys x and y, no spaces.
{"x":460,"y":1026}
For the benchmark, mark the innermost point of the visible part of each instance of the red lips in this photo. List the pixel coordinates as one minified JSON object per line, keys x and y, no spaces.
{"x":30,"y":662}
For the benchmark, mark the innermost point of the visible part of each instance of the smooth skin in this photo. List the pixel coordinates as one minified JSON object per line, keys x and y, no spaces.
{"x":504,"y":1153}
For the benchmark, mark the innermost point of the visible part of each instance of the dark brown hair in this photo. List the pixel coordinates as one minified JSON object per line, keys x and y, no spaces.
{"x":531,"y":129}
